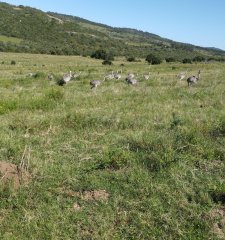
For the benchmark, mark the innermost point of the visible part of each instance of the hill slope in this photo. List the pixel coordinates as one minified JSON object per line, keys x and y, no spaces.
{"x":35,"y":31}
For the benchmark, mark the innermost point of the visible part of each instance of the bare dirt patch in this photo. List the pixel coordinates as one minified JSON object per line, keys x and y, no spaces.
{"x":17,"y":8}
{"x":95,"y":195}
{"x":57,"y":19}
{"x":219,"y":225}
{"x":11,"y":173}
{"x":92,"y":195}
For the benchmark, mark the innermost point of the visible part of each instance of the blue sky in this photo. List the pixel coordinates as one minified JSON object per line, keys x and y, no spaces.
{"x":199,"y":22}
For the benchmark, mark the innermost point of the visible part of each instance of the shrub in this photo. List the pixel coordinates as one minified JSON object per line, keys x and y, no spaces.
{"x":198,"y":59}
{"x":13,"y":62}
{"x":107,"y":62}
{"x":186,"y":60}
{"x":152,"y":59}
{"x":131,"y":59}
{"x":39,"y":75}
{"x":102,"y":54}
{"x":170,"y":59}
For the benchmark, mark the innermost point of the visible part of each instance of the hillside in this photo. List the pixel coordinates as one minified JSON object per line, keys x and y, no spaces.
{"x":25,"y":29}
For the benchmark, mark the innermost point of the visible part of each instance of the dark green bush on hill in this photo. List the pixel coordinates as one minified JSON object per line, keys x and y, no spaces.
{"x":170,"y":59}
{"x":99,"y":54}
{"x":107,"y":62}
{"x":152,"y":59}
{"x":102,"y":54}
{"x":186,"y":60}
{"x":198,"y":59}
{"x":131,"y":59}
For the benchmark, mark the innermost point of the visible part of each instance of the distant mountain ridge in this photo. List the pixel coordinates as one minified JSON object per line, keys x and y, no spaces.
{"x":26,"y":29}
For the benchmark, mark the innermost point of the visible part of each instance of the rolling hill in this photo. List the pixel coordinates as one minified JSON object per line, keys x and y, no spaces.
{"x":25,"y":29}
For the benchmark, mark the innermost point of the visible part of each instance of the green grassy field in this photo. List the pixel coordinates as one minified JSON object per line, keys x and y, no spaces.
{"x":117,"y":162}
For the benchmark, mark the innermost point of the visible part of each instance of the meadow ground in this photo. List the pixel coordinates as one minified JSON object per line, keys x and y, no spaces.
{"x":116,"y":162}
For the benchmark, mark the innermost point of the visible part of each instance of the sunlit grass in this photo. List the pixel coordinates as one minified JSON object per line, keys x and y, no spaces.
{"x":10,"y":39}
{"x":157,"y":149}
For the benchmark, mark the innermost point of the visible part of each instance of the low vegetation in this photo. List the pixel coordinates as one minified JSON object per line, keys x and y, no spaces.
{"x":119,"y":161}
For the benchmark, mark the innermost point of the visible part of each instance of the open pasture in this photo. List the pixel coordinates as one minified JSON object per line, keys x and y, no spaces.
{"x":143,"y":161}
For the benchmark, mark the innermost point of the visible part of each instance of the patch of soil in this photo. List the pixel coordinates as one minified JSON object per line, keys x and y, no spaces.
{"x":11,"y":173}
{"x":71,"y":193}
{"x":95,"y":195}
{"x":218,"y":226}
{"x":87,"y":195}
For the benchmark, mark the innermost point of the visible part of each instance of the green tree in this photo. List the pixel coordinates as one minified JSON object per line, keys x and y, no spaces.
{"x":131,"y":59}
{"x":170,"y":59}
{"x":198,"y":59}
{"x":102,"y":54}
{"x":186,"y":60}
{"x":152,"y":59}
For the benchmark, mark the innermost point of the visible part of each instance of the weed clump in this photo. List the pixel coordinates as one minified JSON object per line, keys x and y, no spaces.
{"x":114,"y":159}
{"x":219,"y":130}
{"x":7,"y":106}
{"x":176,"y":121}
{"x":78,"y":121}
{"x":54,"y":94}
{"x":218,"y":197}
{"x":38,"y":75}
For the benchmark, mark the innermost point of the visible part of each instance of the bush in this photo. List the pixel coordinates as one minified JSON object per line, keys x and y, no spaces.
{"x":107,"y":62}
{"x":38,"y":75}
{"x":13,"y":62}
{"x":198,"y":59}
{"x":99,"y":54}
{"x":152,"y":59}
{"x":102,"y":54}
{"x":170,"y":59}
{"x":131,"y":59}
{"x":186,"y":60}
